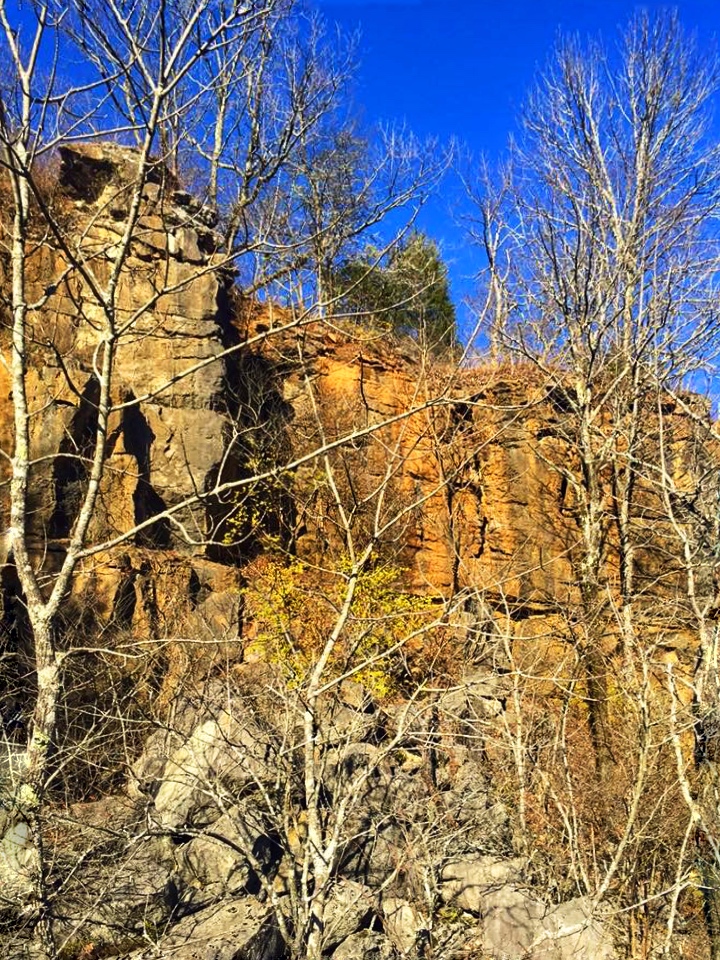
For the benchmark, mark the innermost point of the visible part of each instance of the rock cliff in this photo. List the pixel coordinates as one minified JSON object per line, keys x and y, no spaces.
{"x":174,"y":411}
{"x":195,"y":407}
{"x":220,"y":406}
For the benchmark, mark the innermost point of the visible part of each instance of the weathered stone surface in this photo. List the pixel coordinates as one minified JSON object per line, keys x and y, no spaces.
{"x":187,"y":412}
{"x":189,"y":604}
{"x":512,"y":920}
{"x":173,"y":421}
{"x":224,"y":749}
{"x":364,"y":945}
{"x":216,"y":864}
{"x":403,"y":923}
{"x":17,"y":865}
{"x":183,"y":244}
{"x":347,"y":725}
{"x":213,"y":862}
{"x":466,"y":883}
{"x":349,"y":908}
{"x":236,"y":930}
{"x":516,"y":924}
{"x":570,"y":931}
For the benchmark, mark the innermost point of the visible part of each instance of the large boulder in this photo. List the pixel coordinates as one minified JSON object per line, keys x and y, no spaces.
{"x":517,"y":925}
{"x":228,"y":858}
{"x":466,"y":883}
{"x":512,"y":920}
{"x":349,"y":909}
{"x":214,"y":862}
{"x":225,"y":752}
{"x":569,"y":931}
{"x":364,"y":945}
{"x":234,"y":930}
{"x":403,"y":923}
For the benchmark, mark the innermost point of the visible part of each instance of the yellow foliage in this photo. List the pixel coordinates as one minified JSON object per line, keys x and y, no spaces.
{"x":252,"y":513}
{"x":295,"y":609}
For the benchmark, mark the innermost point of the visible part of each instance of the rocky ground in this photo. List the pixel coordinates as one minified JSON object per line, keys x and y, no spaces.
{"x":201,"y":855}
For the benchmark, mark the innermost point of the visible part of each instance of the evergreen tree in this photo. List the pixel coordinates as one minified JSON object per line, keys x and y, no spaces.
{"x":407,"y":291}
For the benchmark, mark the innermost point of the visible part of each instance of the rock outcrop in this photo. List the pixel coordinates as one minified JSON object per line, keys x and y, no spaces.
{"x":482,"y":450}
{"x":208,"y":845}
{"x":209,"y":388}
{"x":174,"y":416}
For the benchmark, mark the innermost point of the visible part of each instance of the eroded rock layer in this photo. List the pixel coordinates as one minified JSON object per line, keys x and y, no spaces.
{"x":209,"y":390}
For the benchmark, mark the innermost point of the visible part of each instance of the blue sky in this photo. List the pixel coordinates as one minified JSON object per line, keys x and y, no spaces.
{"x":462,"y":68}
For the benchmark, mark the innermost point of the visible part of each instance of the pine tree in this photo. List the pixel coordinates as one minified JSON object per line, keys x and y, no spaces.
{"x":407,"y":291}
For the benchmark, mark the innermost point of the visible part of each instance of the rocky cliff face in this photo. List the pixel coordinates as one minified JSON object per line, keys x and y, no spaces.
{"x":174,"y":432}
{"x":171,"y":429}
{"x":475,"y":458}
{"x":484,"y":457}
{"x":211,"y":833}
{"x":493,"y":513}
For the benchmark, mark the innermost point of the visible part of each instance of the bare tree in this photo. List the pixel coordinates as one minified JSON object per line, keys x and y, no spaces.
{"x":601,"y":253}
{"x":151,"y":76}
{"x":601,"y":276}
{"x":687,"y":481}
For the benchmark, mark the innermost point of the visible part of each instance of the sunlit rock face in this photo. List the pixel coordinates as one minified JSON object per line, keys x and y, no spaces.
{"x":210,"y":387}
{"x":174,"y":418}
{"x":476,"y":457}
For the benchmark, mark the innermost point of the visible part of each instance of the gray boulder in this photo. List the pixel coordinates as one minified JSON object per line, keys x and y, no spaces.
{"x":479,"y":696}
{"x":570,"y":931}
{"x":223,"y":860}
{"x":214,"y":862}
{"x":235,"y":930}
{"x":364,"y":945}
{"x":17,"y":866}
{"x":349,"y":909}
{"x":467,"y":883}
{"x":512,"y":920}
{"x":119,"y":896}
{"x":224,"y":753}
{"x":403,"y":923}
{"x":515,"y":924}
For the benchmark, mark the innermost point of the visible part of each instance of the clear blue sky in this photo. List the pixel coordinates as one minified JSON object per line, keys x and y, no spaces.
{"x":462,"y":68}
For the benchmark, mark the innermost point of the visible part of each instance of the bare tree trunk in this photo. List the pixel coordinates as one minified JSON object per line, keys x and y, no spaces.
{"x":29,"y":795}
{"x":707,"y":756}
